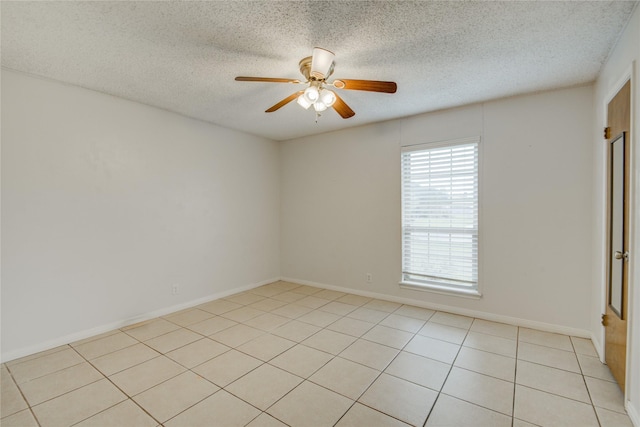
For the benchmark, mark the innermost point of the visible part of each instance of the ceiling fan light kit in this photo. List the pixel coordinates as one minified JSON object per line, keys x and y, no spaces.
{"x":316,"y":69}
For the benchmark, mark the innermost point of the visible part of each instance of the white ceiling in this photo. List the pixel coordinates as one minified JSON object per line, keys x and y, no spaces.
{"x":183,"y":56}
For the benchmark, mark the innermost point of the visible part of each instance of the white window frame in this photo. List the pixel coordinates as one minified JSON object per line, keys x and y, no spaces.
{"x":432,"y":284}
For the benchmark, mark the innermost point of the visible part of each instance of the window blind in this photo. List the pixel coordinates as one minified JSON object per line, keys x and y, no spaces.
{"x":440,"y":214}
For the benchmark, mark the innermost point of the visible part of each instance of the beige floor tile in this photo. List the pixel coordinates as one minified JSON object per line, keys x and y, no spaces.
{"x":420,"y":370}
{"x":548,"y":356}
{"x":41,"y":366}
{"x":432,"y":348}
{"x":400,"y":399}
{"x":189,"y":317}
{"x":329,"y":294}
{"x":288,"y":296}
{"x":95,"y":337}
{"x":263,"y":386}
{"x":173,"y":340}
{"x":388,"y":336}
{"x":283,"y":286}
{"x":78,"y":405}
{"x":173,"y":396}
{"x":443,"y":332}
{"x":295,"y":331}
{"x":227,"y":367}
{"x":491,"y":343}
{"x":449,"y":411}
{"x":546,"y":409}
{"x":450,"y":319}
{"x":197,"y":352}
{"x":353,"y":327}
{"x":120,"y":360}
{"x":39,"y":354}
{"x":212,"y":325}
{"x":11,"y":400}
{"x":329,"y":341}
{"x":473,"y":387}
{"x":60,"y":382}
{"x":520,"y":423}
{"x":338,"y":308}
{"x":354,"y":299}
{"x":371,"y":354}
{"x":547,"y":339}
{"x":306,"y":290}
{"x":265,"y":420}
{"x":267,"y":305}
{"x":368,"y":314}
{"x":146,"y":375}
{"x":319,"y":318}
{"x":606,"y":394}
{"x":301,"y":360}
{"x":125,"y":413}
{"x":245,"y":298}
{"x":109,"y":344}
{"x":313,"y":302}
{"x":483,"y":362}
{"x":267,"y":322}
{"x":150,"y":329}
{"x":360,"y":415}
{"x":552,"y":380}
{"x":494,"y":328}
{"x":236,"y":335}
{"x":219,"y":306}
{"x":592,"y":367}
{"x":307,"y":402}
{"x":382,"y":305}
{"x":23,"y":418}
{"x":415,"y":312}
{"x":292,"y":311}
{"x":613,"y":419}
{"x":219,"y":410}
{"x":266,"y":347}
{"x":583,"y":346}
{"x":345,"y":377}
{"x":242,"y":314}
{"x":404,"y":323}
{"x":266,"y":291}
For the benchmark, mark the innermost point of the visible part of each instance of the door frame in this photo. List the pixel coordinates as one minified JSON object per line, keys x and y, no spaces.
{"x":634,"y":245}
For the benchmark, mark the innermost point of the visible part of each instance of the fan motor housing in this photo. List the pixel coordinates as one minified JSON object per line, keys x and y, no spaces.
{"x":305,"y":69}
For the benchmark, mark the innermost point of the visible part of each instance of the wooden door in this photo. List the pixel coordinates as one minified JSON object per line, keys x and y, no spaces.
{"x":615,"y":320}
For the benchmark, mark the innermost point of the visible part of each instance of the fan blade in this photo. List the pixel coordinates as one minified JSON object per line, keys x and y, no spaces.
{"x":284,"y":102}
{"x":342,"y":108}
{"x":266,"y":79}
{"x":368,"y":85}
{"x":321,"y":63}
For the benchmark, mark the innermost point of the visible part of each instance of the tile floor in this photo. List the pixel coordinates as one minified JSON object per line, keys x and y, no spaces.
{"x":285,"y":354}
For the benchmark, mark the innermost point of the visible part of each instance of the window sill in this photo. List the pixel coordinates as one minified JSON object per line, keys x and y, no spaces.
{"x":443,"y":290}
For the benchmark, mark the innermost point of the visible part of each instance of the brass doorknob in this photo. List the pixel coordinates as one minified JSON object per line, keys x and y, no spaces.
{"x":621,"y":255}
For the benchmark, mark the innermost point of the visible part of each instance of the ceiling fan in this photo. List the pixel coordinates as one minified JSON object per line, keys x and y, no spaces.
{"x":316,"y":70}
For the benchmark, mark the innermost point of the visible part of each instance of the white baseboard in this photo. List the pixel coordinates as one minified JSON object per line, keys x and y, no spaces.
{"x":533,"y":324}
{"x":633,"y":413}
{"x":599,"y":346}
{"x":87,"y":333}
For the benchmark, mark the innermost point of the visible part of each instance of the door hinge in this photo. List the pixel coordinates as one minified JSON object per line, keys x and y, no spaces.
{"x":604,"y":320}
{"x":607,"y":133}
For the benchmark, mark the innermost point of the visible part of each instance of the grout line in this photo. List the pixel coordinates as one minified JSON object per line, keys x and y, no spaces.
{"x":289,"y":320}
{"x":515,"y":377}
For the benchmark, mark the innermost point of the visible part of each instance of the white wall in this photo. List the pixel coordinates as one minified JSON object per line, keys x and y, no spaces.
{"x":623,"y":59}
{"x":106,"y":203}
{"x":340,"y":209}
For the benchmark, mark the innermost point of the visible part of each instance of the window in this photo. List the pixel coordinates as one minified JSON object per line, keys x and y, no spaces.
{"x":440,"y":216}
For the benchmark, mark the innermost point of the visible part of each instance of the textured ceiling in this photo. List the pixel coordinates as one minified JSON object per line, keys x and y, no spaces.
{"x":183,"y":56}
